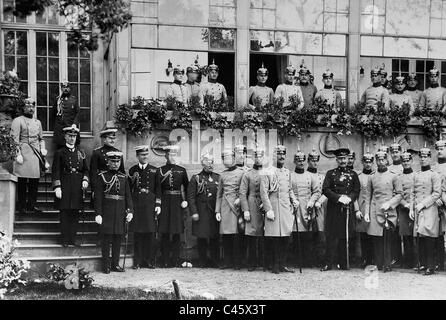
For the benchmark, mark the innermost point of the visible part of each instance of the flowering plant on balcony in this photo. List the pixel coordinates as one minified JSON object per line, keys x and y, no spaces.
{"x":432,"y":120}
{"x":8,"y":146}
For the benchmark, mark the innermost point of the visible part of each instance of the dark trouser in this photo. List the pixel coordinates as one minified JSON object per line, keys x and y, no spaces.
{"x":231,"y":250}
{"x":382,"y":247}
{"x":254,"y":246}
{"x":439,"y":252}
{"x":336,"y":251}
{"x":279,"y":247}
{"x":205,"y":244}
{"x":144,"y":248}
{"x":366,"y":248}
{"x":115,"y":241}
{"x":69,"y":221}
{"x":396,"y":244}
{"x":170,"y":249}
{"x":27,"y":193}
{"x":426,"y":247}
{"x":409,"y":252}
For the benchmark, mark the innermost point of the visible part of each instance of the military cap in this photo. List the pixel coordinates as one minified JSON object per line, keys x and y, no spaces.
{"x":280,"y":149}
{"x":313,"y":155}
{"x":262,"y":71}
{"x":290,"y":70}
{"x":413,"y":76}
{"x":71,"y":130}
{"x":327,"y":74}
{"x":207,"y":157}
{"x":114,"y":155}
{"x":400,"y":79}
{"x":342,"y":152}
{"x":395,"y":147}
{"x":384,"y":149}
{"x":227,"y":152}
{"x":178,"y":69}
{"x":406,"y":156}
{"x":259,"y":151}
{"x":303,"y":68}
{"x":367,"y":157}
{"x":434,"y":72}
{"x":383,"y":71}
{"x":352,"y":154}
{"x":375,"y":71}
{"x":64,"y":83}
{"x":213,"y":66}
{"x":299,"y":155}
{"x":192,"y":69}
{"x":30,"y":100}
{"x":108,"y":130}
{"x":380,"y":155}
{"x":440,"y":143}
{"x":424,"y":152}
{"x":142,"y":149}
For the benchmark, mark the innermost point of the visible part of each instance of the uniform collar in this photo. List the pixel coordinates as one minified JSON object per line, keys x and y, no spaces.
{"x":299,"y":170}
{"x":212,"y":81}
{"x":70,"y":147}
{"x":312,"y":170}
{"x":257,"y":167}
{"x":190,"y":82}
{"x":434,"y":85}
{"x":328,"y":87}
{"x":376,"y":85}
{"x":261,"y":84}
{"x":178,"y":82}
{"x":397,"y":162}
{"x":441,"y":160}
{"x":367,"y":171}
{"x":407,"y":170}
{"x":142,"y":166}
{"x":382,"y":170}
{"x":425,"y":168}
{"x":289,"y":82}
{"x":411,"y":88}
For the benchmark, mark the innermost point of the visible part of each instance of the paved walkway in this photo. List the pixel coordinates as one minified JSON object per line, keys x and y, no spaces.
{"x":311,"y":284}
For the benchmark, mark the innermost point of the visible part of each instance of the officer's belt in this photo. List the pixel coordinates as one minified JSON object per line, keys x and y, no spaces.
{"x":177,"y":192}
{"x":72,"y":170}
{"x":113,"y":197}
{"x":144,"y":190}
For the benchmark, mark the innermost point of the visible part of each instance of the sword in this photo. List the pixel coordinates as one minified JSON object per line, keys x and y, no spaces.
{"x":298,"y":239}
{"x":126,"y":242}
{"x":347,"y":212}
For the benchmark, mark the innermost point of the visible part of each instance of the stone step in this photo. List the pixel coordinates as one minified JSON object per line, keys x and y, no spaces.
{"x":56,"y":250}
{"x":32,"y":238}
{"x":52,"y":225}
{"x":50,"y":215}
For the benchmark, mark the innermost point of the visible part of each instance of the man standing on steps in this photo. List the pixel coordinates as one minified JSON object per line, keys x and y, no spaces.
{"x":27,"y":133}
{"x":114,"y":207}
{"x":70,"y":180}
{"x":147,"y":205}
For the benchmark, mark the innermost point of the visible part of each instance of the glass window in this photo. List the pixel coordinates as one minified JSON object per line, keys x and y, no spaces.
{"x":172,"y":37}
{"x":405,"y":47}
{"x":334,"y":45}
{"x":408,"y":17}
{"x":16,"y":55}
{"x":437,"y":49}
{"x":188,"y":12}
{"x":8,"y":16}
{"x":221,"y":38}
{"x":79,"y":76}
{"x":49,"y":16}
{"x":300,"y":14}
{"x":222,"y":12}
{"x":262,"y":41}
{"x":371,"y":46}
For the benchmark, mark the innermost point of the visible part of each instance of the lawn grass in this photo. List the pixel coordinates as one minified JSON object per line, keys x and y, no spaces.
{"x":52,"y":291}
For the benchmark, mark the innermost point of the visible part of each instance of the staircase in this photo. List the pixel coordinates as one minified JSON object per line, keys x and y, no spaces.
{"x":39,"y":235}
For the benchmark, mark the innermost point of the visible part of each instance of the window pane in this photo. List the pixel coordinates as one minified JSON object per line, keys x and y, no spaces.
{"x":42,"y":114}
{"x":420,"y":66}
{"x":343,"y":5}
{"x":52,"y":15}
{"x":22,"y":68}
{"x":269,"y":4}
{"x":443,"y":80}
{"x":437,"y":49}
{"x":404,"y":65}
{"x":334,"y":45}
{"x":183,"y":38}
{"x":330,"y":5}
{"x":402,"y":17}
{"x":41,"y":68}
{"x":371,"y":46}
{"x":41,"y":43}
{"x":330,"y":21}
{"x":221,"y":38}
{"x":189,"y":12}
{"x":22,"y":47}
{"x":269,"y":19}
{"x":300,"y":14}
{"x":256,"y":18}
{"x":85,"y":70}
{"x":8,"y":16}
{"x":53,"y":92}
{"x":256,"y":4}
{"x":24,"y":87}
{"x":9,"y":42}
{"x":342,"y":23}
{"x":9,"y":62}
{"x":435,"y":28}
{"x":72,"y":70}
{"x":84,"y":119}
{"x":53,"y":70}
{"x":72,"y":50}
{"x":262,"y":41}
{"x":53,"y":44}
{"x":436,"y":8}
{"x":75,"y":90}
{"x":41,"y":18}
{"x":85,"y":97}
{"x":84,"y":53}
{"x":42,"y":98}
{"x":405,"y":47}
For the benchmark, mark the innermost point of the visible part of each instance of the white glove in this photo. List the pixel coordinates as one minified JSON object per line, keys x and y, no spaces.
{"x":296,"y":204}
{"x":98,"y":219}
{"x":439,"y":202}
{"x":342,"y":199}
{"x":347,"y":200}
{"x":310,"y":205}
{"x":247,"y":215}
{"x":84,"y":184}
{"x":367,"y":218}
{"x":157,"y":210}
{"x":419,"y":207}
{"x":218,"y":216}
{"x":385,"y":206}
{"x":270,"y":215}
{"x":237,"y":202}
{"x":317,"y":204}
{"x":58,"y":192}
{"x":129,"y":217}
{"x":184,"y":204}
{"x":44,"y":152}
{"x":195,"y":217}
{"x":19,"y":159}
{"x":411,"y":215}
{"x":359,"y":215}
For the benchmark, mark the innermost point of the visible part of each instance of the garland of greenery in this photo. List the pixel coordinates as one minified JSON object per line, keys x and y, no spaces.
{"x":372,"y":122}
{"x":431,"y":121}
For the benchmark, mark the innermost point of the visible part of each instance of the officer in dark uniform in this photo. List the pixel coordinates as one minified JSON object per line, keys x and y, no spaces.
{"x":341,"y":187}
{"x":114,"y":207}
{"x":173,"y":182}
{"x":147,"y":205}
{"x":202,"y":196}
{"x":98,"y":161}
{"x":70,"y":178}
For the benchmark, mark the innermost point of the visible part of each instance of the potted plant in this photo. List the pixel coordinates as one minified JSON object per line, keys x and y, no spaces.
{"x":10,"y":97}
{"x":8,"y":148}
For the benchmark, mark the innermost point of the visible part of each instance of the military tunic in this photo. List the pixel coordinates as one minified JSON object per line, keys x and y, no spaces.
{"x":395,"y":168}
{"x":27,"y":132}
{"x":171,"y":178}
{"x":68,"y":171}
{"x":331,"y":96}
{"x":415,"y":95}
{"x":286,"y":91}
{"x":194,"y":89}
{"x":179,"y":92}
{"x":228,"y":192}
{"x":360,"y":204}
{"x":308,"y":92}
{"x":98,"y":163}
{"x":372,"y":95}
{"x":399,"y":99}
{"x":427,"y":190}
{"x":307,"y":190}
{"x":340,"y":181}
{"x":113,"y":198}
{"x":202,"y":196}
{"x":431,"y":97}
{"x":440,"y":168}
{"x":382,"y":187}
{"x":322,"y":200}
{"x":250,"y":201}
{"x":214,"y":89}
{"x":264,"y":93}
{"x":277,"y":195}
{"x":404,"y":222}
{"x":145,"y":196}
{"x":65,"y":113}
